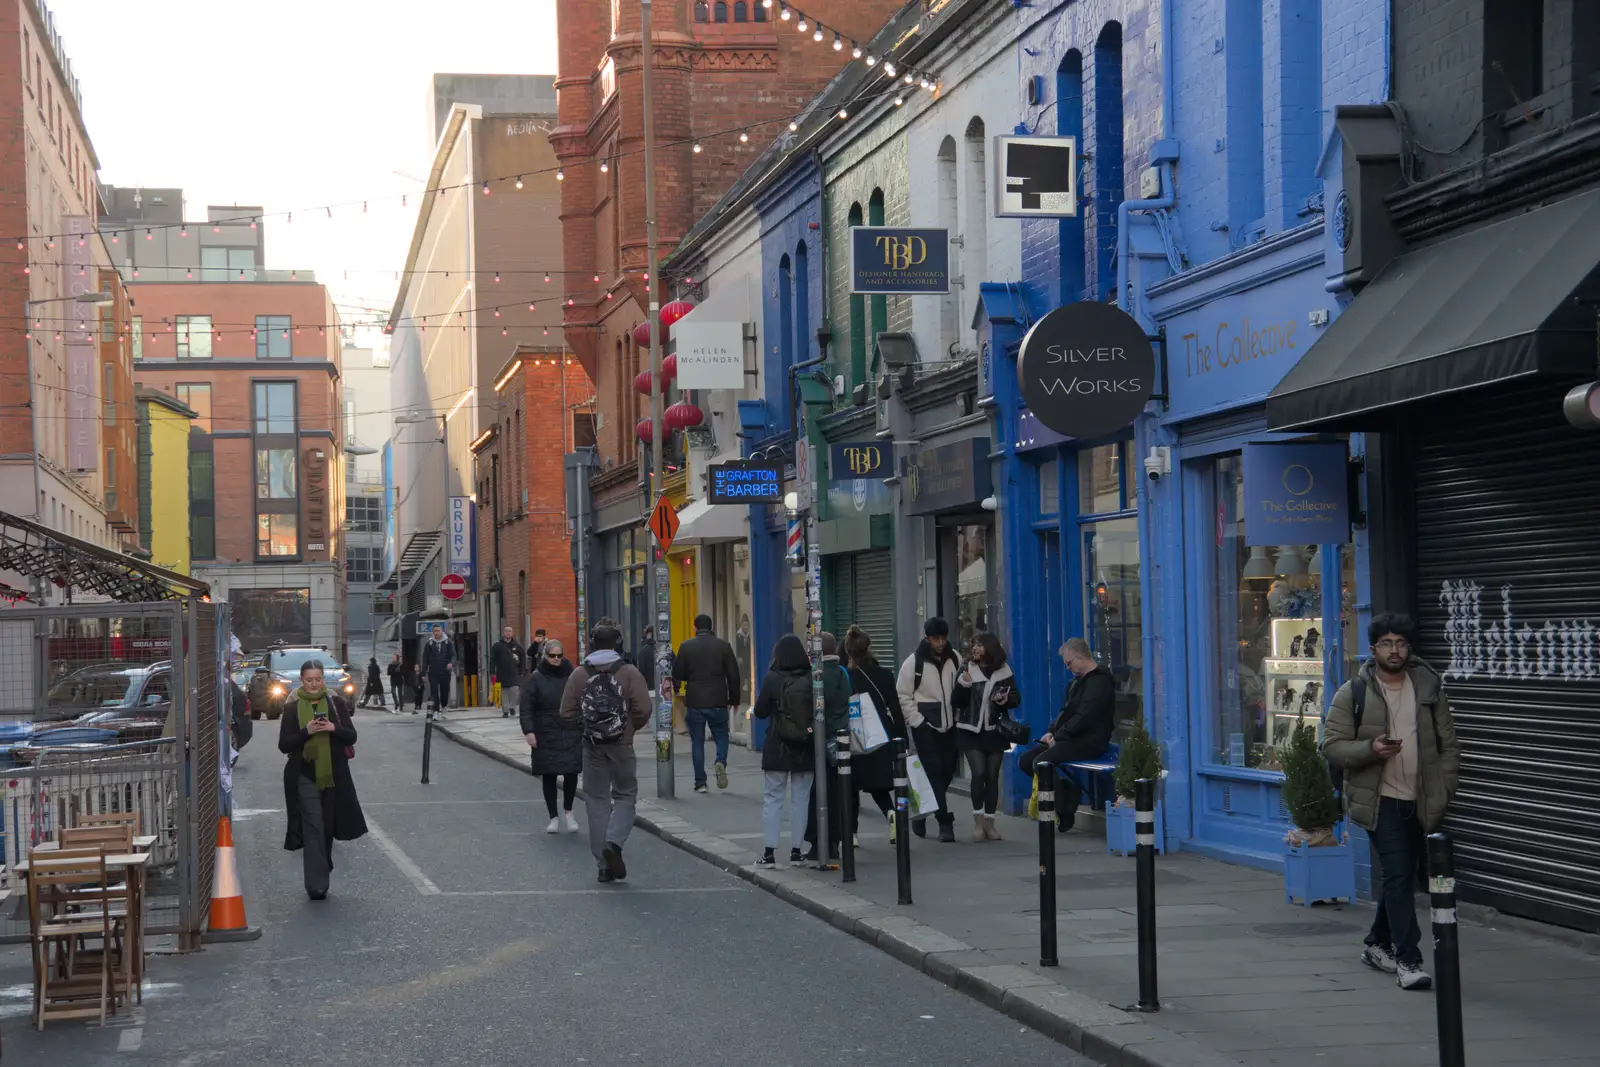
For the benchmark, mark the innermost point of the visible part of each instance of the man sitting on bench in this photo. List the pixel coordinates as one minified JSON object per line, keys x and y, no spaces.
{"x":1083,"y":729}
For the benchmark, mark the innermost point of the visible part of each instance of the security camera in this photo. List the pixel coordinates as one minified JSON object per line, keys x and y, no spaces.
{"x":1158,"y":463}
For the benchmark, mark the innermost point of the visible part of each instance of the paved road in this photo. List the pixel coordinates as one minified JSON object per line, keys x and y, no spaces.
{"x":459,"y":933}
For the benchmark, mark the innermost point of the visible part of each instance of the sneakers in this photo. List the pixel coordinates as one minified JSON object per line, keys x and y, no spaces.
{"x":767,"y":859}
{"x":1379,"y":958}
{"x":700,"y":787}
{"x":554,"y":827}
{"x":1409,"y":977}
{"x":855,"y":842}
{"x":722,"y":774}
{"x":612,"y":856}
{"x":570,"y":822}
{"x":796,"y":856}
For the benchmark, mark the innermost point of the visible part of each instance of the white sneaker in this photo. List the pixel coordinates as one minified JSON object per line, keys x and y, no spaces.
{"x":1409,"y":977}
{"x":571,"y":823}
{"x":554,"y":827}
{"x":1379,"y":958}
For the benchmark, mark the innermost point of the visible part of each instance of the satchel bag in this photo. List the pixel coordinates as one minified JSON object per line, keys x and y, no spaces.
{"x":1010,"y":730}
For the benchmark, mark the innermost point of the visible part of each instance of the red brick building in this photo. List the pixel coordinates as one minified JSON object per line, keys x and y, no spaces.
{"x":718,"y":69}
{"x":543,"y":409}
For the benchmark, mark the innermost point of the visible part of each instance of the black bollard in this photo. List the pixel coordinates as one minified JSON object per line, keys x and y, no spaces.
{"x":847,"y":808}
{"x":1047,"y":865}
{"x":1144,"y":826}
{"x":1446,"y":949}
{"x":427,"y":745}
{"x":902,"y":823}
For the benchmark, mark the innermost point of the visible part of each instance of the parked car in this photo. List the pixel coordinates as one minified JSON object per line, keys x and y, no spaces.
{"x":279,"y":674}
{"x":132,"y":699}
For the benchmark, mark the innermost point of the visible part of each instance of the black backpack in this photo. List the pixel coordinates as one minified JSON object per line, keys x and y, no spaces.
{"x":1358,"y":706}
{"x":604,"y":711}
{"x":795,"y":710}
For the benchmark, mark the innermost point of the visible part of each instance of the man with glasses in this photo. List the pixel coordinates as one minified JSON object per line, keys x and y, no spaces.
{"x":1390,"y":730}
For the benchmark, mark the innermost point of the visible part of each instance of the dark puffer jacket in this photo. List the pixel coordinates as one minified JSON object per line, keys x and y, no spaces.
{"x":789,"y":661}
{"x":560,"y":748}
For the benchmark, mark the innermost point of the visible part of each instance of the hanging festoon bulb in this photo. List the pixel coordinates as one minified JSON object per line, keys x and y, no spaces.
{"x":817,"y":37}
{"x":532,"y":306}
{"x":697,"y":148}
{"x":485,"y":188}
{"x":21,"y":245}
{"x":604,"y":166}
{"x":783,"y":12}
{"x":844,"y":113}
{"x":744,"y":136}
{"x":561,"y":175}
{"x":909,"y":80}
{"x":148,"y":236}
{"x":855,"y":50}
{"x":497,"y":313}
{"x":253,"y":221}
{"x":497,"y":277}
{"x":184,"y":232}
{"x":547,"y":277}
{"x":767,"y":4}
{"x":802,"y":26}
{"x":597,"y":278}
{"x":502,"y":331}
{"x":793,"y":125}
{"x":519,"y":181}
{"x":925,"y":83}
{"x":872,"y":60}
{"x":888,"y":68}
{"x":898,"y":100}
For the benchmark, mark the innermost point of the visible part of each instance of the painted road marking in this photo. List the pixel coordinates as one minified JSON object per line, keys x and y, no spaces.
{"x":405,"y":863}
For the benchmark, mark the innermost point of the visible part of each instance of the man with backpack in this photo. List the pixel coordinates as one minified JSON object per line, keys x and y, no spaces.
{"x":610,"y":701}
{"x":1390,"y":733}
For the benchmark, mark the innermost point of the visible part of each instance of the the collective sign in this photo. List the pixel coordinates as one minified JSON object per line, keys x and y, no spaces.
{"x":710,"y":354}
{"x":744,"y":481}
{"x":79,"y":278}
{"x":1086,"y":369}
{"x":462,"y":538}
{"x":1296,"y":493}
{"x":899,"y":259}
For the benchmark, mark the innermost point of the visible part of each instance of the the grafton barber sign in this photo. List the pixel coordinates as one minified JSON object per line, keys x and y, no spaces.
{"x":1086,"y":369}
{"x":1503,"y":646}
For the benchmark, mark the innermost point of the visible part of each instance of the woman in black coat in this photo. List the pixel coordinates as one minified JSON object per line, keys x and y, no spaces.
{"x":873,"y":772}
{"x":317,"y":734}
{"x":556,"y":746}
{"x":786,"y":766}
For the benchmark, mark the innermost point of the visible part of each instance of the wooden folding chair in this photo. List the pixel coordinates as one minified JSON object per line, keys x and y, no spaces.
{"x":69,"y":980}
{"x":113,"y":837}
{"x":86,"y":901}
{"x":109,"y":818}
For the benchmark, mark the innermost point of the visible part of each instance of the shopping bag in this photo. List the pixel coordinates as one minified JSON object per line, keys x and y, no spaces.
{"x":1033,"y":801}
{"x":920,"y":788}
{"x":866,"y":725}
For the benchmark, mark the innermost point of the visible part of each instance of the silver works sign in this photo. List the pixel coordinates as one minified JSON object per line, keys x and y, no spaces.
{"x":1086,"y":369}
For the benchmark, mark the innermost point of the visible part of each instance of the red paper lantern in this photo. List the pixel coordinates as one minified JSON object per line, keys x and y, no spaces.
{"x":681,"y":416}
{"x":674,"y":311}
{"x":641,"y":382}
{"x":644,"y":431}
{"x":641,"y":335}
{"x":669,"y":367}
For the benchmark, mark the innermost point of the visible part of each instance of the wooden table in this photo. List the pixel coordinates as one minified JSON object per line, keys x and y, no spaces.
{"x":132,"y":865}
{"x":143,"y":843}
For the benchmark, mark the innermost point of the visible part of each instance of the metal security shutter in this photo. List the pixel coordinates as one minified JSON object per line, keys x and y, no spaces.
{"x":1507,"y":513}
{"x":874,"y":603}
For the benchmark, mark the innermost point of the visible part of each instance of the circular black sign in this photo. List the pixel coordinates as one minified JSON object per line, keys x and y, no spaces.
{"x":1086,"y":369}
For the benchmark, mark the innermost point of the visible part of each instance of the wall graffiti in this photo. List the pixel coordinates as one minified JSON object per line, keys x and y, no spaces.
{"x":1565,"y":650}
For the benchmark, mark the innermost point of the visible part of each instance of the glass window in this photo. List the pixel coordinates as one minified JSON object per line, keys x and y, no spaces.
{"x":759,"y":12}
{"x":1050,"y":487}
{"x":202,"y":507}
{"x":108,"y":401}
{"x":365,"y":513}
{"x":197,"y":395}
{"x":275,"y":478}
{"x":972,"y":584}
{"x":1112,"y":607}
{"x":361,"y":563}
{"x":194,"y":336}
{"x":138,"y":337}
{"x":272,"y":336}
{"x":274,"y":403}
{"x":277,"y":535}
{"x":227,"y":264}
{"x":1103,"y":478}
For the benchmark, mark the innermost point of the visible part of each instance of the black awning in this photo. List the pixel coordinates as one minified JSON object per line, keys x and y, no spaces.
{"x":1501,"y":303}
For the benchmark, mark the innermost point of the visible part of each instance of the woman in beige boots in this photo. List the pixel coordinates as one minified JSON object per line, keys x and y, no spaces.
{"x":985,"y":692}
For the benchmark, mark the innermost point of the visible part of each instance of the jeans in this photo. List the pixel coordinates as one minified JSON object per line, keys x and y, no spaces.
{"x":697,"y":719}
{"x":985,"y":768}
{"x":398,"y":692}
{"x":569,"y":790}
{"x":611,"y":793}
{"x":1398,"y":839}
{"x":939,"y":755}
{"x":316,"y":833}
{"x":798,"y":784}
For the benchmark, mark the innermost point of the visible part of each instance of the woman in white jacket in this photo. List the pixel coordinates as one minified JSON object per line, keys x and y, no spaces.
{"x":925,"y":686}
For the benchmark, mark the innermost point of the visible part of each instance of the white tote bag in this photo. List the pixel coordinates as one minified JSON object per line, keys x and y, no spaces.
{"x":920,"y":788}
{"x":866,"y":725}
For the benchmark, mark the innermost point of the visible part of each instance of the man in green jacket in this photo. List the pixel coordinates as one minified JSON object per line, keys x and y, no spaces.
{"x":1390,"y":730}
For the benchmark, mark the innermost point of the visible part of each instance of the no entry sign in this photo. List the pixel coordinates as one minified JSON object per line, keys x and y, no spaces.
{"x":452,"y":587}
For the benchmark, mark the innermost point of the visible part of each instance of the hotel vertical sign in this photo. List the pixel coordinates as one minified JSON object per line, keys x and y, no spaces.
{"x":81,"y":336}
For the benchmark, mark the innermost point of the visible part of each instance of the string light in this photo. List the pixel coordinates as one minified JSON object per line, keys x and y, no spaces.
{"x":888,"y":68}
{"x":898,"y":100}
{"x":783,"y":12}
{"x":604,"y":166}
{"x":497,"y":277}
{"x":818,"y":35}
{"x":148,"y":236}
{"x":744,"y":136}
{"x":844,"y":113}
{"x":519,"y":181}
{"x":697,"y":148}
{"x":793,"y":125}
{"x":561,"y":175}
{"x":855,"y":50}
{"x":547,"y":277}
{"x":801,"y":25}
{"x":485,"y":188}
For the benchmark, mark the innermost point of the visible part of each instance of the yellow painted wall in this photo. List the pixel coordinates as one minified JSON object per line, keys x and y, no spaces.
{"x":169,"y":488}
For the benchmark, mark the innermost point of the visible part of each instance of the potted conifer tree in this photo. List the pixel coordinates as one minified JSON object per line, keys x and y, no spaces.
{"x":1140,"y":757}
{"x":1318,"y":863}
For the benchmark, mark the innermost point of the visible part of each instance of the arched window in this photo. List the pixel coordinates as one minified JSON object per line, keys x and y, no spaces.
{"x":858,"y":321}
{"x":945,"y":183}
{"x":974,"y":230}
{"x":878,"y":305}
{"x":702,"y":11}
{"x":785,"y":322}
{"x":760,"y":12}
{"x":1069,"y":123}
{"x":719,"y":11}
{"x":741,"y":11}
{"x":802,"y":303}
{"x":1108,"y":173}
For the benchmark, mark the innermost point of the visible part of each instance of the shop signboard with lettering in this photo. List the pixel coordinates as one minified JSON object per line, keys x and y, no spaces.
{"x":948,"y":477}
{"x":462,"y":544}
{"x":710,"y":354}
{"x":1086,"y":369}
{"x":899,"y":259}
{"x":744,"y":481}
{"x":861,"y":459}
{"x":1296,"y":493}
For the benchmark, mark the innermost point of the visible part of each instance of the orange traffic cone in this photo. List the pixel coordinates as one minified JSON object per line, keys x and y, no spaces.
{"x":227,"y":921}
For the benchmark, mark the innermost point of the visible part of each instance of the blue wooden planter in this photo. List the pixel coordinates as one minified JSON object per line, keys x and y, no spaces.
{"x":1317,"y":873}
{"x":1120,"y":834}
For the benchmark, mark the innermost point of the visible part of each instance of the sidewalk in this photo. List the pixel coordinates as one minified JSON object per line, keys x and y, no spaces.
{"x":1244,"y":977}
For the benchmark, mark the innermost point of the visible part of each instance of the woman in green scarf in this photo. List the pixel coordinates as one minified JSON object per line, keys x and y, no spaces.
{"x":317,"y":734}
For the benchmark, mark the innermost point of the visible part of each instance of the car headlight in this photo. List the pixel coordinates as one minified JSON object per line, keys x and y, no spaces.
{"x":349,"y":687}
{"x":277,"y":690}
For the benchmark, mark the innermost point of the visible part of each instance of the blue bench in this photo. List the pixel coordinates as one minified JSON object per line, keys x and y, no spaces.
{"x":1095,"y":777}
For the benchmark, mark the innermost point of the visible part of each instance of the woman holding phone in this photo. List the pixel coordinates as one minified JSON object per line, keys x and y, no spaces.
{"x":985,"y":691}
{"x":317,"y":734}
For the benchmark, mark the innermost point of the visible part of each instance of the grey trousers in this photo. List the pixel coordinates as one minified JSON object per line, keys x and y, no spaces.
{"x":611,"y":792}
{"x":317,"y":849}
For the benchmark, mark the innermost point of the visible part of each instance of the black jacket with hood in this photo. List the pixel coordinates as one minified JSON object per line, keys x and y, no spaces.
{"x":560,"y":748}
{"x":789,"y":661}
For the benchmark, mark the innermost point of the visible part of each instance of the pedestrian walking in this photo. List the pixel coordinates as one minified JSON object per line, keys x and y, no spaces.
{"x":835,"y":717}
{"x":374,"y":686}
{"x":873,"y":772}
{"x":985,"y":691}
{"x":708,"y":671}
{"x":1391,"y":731}
{"x":536,"y":646}
{"x":1082,"y":730}
{"x":397,"y":682}
{"x":438,"y":667}
{"x":555,"y":745}
{"x":927,"y":680}
{"x":645,"y":659}
{"x":608,"y":699}
{"x":318,"y":736}
{"x":417,"y":684}
{"x":788,"y":763}
{"x":508,"y":664}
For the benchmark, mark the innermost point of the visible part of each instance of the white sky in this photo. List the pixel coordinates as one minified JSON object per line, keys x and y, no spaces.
{"x":291,"y":104}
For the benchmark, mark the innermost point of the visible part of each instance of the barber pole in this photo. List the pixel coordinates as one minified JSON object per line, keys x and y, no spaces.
{"x":797,"y":542}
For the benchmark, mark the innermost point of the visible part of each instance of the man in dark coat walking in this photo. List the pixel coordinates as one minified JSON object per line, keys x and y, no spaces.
{"x":709,"y":673}
{"x":438,"y":667}
{"x":508,"y":664}
{"x":1083,"y":729}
